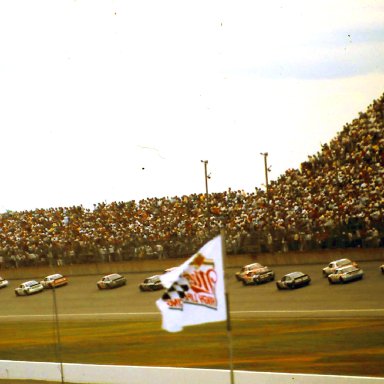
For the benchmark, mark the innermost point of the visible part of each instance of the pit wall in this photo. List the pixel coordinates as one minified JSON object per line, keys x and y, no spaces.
{"x":232,"y":261}
{"x":117,"y":374}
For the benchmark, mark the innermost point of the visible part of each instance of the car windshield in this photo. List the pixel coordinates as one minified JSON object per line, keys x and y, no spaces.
{"x":348,"y":269}
{"x":295,"y":275}
{"x":250,"y":267}
{"x":53,"y":277}
{"x":57,"y":276}
{"x":152,"y":280}
{"x":344,"y":262}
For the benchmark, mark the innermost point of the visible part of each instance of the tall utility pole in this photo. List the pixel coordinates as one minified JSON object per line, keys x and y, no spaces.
{"x":266,"y":170}
{"x":265,"y":154}
{"x":206,"y":185}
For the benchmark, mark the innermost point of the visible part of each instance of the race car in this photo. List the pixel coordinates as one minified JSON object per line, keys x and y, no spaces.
{"x":113,"y":280}
{"x":345,"y":274}
{"x":3,"y":283}
{"x":258,"y":276}
{"x":247,"y":269}
{"x":293,"y":280}
{"x":333,"y":265}
{"x":53,"y":281}
{"x":152,"y":283}
{"x":29,"y":288}
{"x":382,"y":268}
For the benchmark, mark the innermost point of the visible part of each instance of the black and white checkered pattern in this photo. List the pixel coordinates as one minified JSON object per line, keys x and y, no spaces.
{"x":177,"y":289}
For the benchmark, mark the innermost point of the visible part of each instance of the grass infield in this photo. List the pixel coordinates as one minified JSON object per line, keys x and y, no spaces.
{"x":343,"y":346}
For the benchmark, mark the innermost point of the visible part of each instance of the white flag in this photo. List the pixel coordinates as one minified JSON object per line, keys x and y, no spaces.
{"x":195,"y":290}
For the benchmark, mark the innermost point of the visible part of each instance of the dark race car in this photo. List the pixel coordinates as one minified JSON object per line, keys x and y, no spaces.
{"x":113,"y":280}
{"x":152,"y":283}
{"x":293,"y":280}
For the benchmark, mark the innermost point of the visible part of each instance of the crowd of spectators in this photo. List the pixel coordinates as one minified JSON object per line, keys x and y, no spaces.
{"x":334,"y":200}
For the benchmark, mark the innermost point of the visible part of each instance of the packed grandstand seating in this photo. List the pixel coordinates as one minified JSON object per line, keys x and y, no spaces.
{"x":335,"y":200}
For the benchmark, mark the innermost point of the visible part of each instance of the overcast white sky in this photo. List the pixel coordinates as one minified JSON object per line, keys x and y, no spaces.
{"x":121,"y":100}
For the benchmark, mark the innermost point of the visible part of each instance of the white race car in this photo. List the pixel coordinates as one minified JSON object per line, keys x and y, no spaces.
{"x":3,"y":283}
{"x":113,"y":280}
{"x":53,"y":281}
{"x":258,"y":276}
{"x":247,"y":270}
{"x":28,"y":288}
{"x":345,"y":274}
{"x":333,"y":265}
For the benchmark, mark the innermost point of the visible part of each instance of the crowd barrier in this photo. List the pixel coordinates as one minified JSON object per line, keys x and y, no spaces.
{"x":117,"y":374}
{"x":232,"y":261}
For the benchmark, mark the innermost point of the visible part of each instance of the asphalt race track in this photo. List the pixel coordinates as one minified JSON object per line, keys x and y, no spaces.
{"x":81,"y":299}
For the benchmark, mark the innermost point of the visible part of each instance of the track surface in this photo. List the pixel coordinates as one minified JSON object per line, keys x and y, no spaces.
{"x":81,"y":299}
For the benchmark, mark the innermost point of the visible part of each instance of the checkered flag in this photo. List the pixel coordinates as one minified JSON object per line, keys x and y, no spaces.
{"x":177,"y":290}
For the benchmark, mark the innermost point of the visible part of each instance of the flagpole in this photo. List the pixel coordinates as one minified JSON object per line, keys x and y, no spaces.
{"x":58,"y":341}
{"x":229,"y":325}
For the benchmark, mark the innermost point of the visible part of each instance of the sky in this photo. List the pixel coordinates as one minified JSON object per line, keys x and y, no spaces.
{"x":121,"y":100}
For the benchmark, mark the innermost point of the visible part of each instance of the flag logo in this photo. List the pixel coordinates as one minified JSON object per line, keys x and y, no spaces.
{"x":195,"y":290}
{"x":196,"y":285}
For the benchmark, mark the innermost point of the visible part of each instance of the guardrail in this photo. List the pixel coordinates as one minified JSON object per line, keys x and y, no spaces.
{"x":118,"y":374}
{"x":232,"y":261}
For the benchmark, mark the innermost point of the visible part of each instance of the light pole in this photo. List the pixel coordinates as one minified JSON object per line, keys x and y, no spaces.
{"x":266,"y":170}
{"x":206,"y":177}
{"x":265,"y":154}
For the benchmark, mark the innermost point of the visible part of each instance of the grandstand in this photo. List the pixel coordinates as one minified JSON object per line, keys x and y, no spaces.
{"x":335,"y":200}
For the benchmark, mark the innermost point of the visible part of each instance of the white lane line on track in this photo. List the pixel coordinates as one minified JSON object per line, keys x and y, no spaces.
{"x":378,"y":310}
{"x":121,"y":314}
{"x":80,"y":315}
